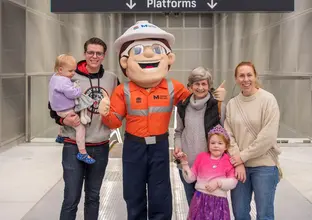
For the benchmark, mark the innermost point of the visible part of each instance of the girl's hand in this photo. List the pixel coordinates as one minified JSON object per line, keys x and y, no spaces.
{"x":212,"y":185}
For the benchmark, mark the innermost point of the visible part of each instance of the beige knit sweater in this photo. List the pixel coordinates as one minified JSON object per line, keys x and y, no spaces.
{"x":257,"y":145}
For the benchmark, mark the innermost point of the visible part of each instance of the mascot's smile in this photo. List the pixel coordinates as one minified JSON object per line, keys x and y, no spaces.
{"x":148,"y":64}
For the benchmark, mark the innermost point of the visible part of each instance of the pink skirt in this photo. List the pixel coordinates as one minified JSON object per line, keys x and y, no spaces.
{"x":208,"y":207}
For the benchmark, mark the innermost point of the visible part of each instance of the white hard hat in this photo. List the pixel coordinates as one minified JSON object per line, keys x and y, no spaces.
{"x":143,"y":30}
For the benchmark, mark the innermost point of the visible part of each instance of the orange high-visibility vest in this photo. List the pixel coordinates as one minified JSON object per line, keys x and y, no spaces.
{"x":147,"y":113}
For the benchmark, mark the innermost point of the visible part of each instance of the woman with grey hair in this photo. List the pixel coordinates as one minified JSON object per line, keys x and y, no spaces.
{"x":197,"y":115}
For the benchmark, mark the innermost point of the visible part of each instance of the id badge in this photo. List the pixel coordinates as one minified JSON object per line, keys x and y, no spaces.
{"x":150,"y":140}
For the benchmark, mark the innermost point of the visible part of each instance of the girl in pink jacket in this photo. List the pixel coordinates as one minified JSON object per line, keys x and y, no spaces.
{"x":214,"y":176}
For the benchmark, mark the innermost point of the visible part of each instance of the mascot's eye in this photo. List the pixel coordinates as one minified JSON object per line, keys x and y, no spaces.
{"x":158,"y":49}
{"x":138,"y":49}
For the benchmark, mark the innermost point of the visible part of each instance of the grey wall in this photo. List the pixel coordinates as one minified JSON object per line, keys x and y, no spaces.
{"x":278,"y":44}
{"x":31,"y":39}
{"x":12,"y":72}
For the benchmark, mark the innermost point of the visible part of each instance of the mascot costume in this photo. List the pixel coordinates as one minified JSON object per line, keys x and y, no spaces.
{"x":146,"y":101}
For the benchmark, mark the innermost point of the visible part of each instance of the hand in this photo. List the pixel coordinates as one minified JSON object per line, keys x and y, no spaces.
{"x":240,"y":173}
{"x":182,"y":157}
{"x":104,"y":105}
{"x":212,"y":185}
{"x":220,"y":93}
{"x":236,"y":160}
{"x":76,"y":83}
{"x":72,"y":120}
{"x":176,"y":151}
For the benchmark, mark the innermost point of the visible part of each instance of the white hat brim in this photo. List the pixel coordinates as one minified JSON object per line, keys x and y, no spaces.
{"x":141,"y":35}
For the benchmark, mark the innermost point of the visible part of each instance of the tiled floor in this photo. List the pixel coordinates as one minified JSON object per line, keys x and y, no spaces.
{"x":33,"y":188}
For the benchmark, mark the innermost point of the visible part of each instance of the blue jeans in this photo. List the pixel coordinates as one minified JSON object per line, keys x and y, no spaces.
{"x":262,"y":181}
{"x":189,"y":188}
{"x":74,"y":173}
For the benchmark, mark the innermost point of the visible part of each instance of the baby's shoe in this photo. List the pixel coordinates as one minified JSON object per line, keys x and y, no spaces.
{"x":59,"y":139}
{"x":85,"y":158}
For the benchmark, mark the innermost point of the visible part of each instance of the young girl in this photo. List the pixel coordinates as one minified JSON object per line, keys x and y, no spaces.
{"x":214,"y":176}
{"x":66,"y":98}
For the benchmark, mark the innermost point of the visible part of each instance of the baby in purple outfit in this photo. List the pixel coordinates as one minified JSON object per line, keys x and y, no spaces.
{"x":66,"y":98}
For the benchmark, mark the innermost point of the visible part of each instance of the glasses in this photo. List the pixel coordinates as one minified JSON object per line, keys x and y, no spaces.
{"x":98,"y":54}
{"x":138,"y":47}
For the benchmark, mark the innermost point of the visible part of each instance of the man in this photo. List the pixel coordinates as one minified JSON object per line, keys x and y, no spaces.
{"x":94,"y":81}
{"x":146,"y":102}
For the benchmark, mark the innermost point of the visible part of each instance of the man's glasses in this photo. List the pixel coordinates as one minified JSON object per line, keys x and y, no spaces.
{"x":98,"y":54}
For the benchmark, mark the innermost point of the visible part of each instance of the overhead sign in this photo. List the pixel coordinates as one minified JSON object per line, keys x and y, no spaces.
{"x":171,"y":5}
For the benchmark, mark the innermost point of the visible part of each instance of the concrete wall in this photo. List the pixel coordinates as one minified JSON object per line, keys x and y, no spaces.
{"x":279,"y":45}
{"x":32,"y":37}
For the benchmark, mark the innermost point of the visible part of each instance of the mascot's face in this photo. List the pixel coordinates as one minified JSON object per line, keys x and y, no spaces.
{"x":146,"y":62}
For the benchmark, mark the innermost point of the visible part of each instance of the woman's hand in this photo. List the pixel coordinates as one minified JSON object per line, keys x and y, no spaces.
{"x":176,"y":151}
{"x":236,"y":160}
{"x":220,"y":93}
{"x":182,"y":157}
{"x":240,"y":173}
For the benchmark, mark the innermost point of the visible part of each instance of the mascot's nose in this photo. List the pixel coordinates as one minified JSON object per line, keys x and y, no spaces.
{"x":148,"y":52}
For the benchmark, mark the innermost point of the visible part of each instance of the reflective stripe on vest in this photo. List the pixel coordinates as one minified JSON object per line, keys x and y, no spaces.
{"x":151,"y":109}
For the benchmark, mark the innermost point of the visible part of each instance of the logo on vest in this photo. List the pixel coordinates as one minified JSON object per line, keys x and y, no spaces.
{"x":96,"y":93}
{"x":160,"y":97}
{"x":138,"y":100}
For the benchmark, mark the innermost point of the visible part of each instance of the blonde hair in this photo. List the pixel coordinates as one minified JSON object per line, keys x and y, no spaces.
{"x":62,"y":60}
{"x":198,"y":74}
{"x":250,"y":64}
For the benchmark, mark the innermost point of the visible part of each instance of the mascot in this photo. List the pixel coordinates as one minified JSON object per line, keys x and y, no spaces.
{"x":146,"y":102}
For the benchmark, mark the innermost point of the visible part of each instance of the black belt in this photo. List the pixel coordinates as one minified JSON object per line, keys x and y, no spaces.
{"x":147,"y":140}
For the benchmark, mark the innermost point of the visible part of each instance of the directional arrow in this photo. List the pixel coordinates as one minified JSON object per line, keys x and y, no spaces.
{"x":131,"y":4}
{"x":211,"y":4}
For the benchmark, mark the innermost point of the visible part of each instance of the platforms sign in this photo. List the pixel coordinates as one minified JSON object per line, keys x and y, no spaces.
{"x":115,"y":6}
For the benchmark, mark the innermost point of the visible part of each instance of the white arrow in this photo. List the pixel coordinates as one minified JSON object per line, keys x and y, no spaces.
{"x":212,"y":4}
{"x":131,"y":5}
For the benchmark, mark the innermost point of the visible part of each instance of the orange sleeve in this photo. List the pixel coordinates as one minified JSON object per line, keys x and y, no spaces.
{"x":180,"y":92}
{"x":117,"y":109}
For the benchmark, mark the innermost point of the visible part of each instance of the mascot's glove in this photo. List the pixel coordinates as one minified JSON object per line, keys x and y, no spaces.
{"x":104,"y":105}
{"x":220,"y":93}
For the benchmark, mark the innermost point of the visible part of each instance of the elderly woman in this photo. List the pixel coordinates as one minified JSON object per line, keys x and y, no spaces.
{"x":196,"y":116}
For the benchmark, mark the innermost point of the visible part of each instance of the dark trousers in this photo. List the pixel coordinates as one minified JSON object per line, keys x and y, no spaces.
{"x":146,"y":179}
{"x":74,"y":173}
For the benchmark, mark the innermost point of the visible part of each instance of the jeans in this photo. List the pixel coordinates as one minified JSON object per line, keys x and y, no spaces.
{"x":189,"y":188}
{"x":262,"y":181}
{"x":74,"y":173}
{"x":147,"y":165}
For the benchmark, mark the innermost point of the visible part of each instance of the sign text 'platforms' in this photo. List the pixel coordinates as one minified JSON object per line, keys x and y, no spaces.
{"x":171,"y":6}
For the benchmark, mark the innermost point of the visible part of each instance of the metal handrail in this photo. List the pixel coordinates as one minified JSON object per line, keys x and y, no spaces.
{"x":286,"y":76}
{"x":40,"y":74}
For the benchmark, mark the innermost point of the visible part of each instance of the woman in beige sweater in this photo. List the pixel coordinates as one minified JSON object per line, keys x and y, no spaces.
{"x":252,"y":121}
